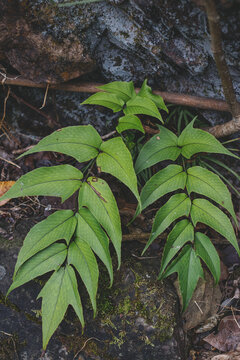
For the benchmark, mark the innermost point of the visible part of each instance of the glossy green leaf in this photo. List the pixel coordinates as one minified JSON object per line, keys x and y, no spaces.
{"x":195,"y":141}
{"x":82,"y":258}
{"x":81,"y":142}
{"x":146,"y":91}
{"x":178,"y":205}
{"x":124,"y":90}
{"x":169,"y":179}
{"x":59,"y":225}
{"x":129,"y":122}
{"x":182,"y":233}
{"x":205,"y":212}
{"x":60,"y":291}
{"x":189,"y":269}
{"x":110,"y":101}
{"x":162,"y":146}
{"x":89,"y":230}
{"x":116,"y":160}
{"x":205,"y":182}
{"x":207,"y":252}
{"x":61,"y":181}
{"x":44,"y":261}
{"x":97,"y":196}
{"x":140,"y":105}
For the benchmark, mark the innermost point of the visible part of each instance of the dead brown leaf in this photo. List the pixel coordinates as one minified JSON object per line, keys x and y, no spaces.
{"x":232,"y":355}
{"x":204,"y":303}
{"x":228,"y":336}
{"x":4,"y":187}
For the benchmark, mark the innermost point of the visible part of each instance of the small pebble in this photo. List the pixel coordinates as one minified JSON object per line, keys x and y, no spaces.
{"x":2,"y":272}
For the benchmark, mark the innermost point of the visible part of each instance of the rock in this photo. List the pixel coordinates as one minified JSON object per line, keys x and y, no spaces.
{"x":111,"y":40}
{"x":128,"y":40}
{"x":32,"y":52}
{"x":137,"y":319}
{"x":2,"y":272}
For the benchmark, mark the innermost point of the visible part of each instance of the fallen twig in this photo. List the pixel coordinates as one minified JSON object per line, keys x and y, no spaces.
{"x":45,"y":97}
{"x":20,"y":151}
{"x":92,"y":338}
{"x":10,"y":162}
{"x":175,"y":98}
{"x":108,"y":135}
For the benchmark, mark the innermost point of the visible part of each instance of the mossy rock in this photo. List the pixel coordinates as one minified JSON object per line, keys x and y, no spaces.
{"x":138,"y":318}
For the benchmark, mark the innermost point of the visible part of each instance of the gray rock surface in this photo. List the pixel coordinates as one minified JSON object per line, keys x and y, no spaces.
{"x":166,"y":41}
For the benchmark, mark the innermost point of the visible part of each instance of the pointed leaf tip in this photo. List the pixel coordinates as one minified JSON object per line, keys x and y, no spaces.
{"x":146,"y":91}
{"x":60,"y":291}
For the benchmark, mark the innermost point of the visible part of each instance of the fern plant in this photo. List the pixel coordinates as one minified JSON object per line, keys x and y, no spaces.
{"x":67,"y":242}
{"x":185,"y":246}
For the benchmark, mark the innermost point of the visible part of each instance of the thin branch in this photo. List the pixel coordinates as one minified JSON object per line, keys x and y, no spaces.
{"x":216,"y":44}
{"x":174,"y":98}
{"x":108,"y":135}
{"x":45,"y":98}
{"x":84,"y":345}
{"x":228,"y":128}
{"x":10,"y":162}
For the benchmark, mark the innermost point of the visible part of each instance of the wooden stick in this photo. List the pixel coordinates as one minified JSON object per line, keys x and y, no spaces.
{"x":175,"y":98}
{"x":232,"y":126}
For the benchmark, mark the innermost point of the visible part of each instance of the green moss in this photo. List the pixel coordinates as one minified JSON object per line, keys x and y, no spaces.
{"x":147,"y":341}
{"x":125,"y":306}
{"x":119,"y":341}
{"x":108,"y":322}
